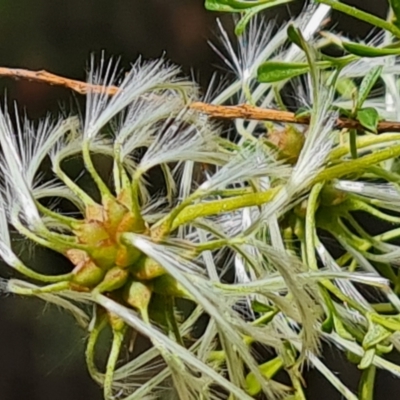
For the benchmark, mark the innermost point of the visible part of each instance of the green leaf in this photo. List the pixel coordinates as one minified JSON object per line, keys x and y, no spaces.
{"x":295,"y":36}
{"x":343,"y":112}
{"x":346,"y":88}
{"x":268,"y":370}
{"x":234,"y":5}
{"x":390,"y":323}
{"x":367,"y":359}
{"x":248,"y":14}
{"x":363,"y":50}
{"x":362,"y":15}
{"x":353,"y":358}
{"x":367,"y":383}
{"x":395,"y":5}
{"x":384,"y":348}
{"x":375,"y":335}
{"x":340,"y":329}
{"x":367,"y":84}
{"x":369,"y":118}
{"x":327,"y":325}
{"x":303,"y":112}
{"x":260,"y":307}
{"x":275,"y":71}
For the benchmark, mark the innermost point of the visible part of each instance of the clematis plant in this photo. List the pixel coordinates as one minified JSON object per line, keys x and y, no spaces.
{"x":192,"y":221}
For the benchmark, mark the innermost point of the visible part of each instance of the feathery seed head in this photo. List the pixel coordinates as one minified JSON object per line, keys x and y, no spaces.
{"x":167,"y":212}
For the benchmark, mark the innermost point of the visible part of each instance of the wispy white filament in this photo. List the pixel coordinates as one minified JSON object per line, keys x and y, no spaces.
{"x":18,"y":189}
{"x":142,"y":78}
{"x":178,"y":351}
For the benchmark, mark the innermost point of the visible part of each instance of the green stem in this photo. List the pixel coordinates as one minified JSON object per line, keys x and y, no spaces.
{"x":383,"y":308}
{"x":90,"y":350}
{"x":37,"y":239}
{"x":353,"y":143}
{"x":362,"y":15}
{"x":342,"y":297}
{"x":384,"y":237}
{"x":68,"y":221}
{"x":364,"y":141}
{"x":171,"y":320}
{"x":53,"y":288}
{"x":311,"y":227}
{"x":72,"y":186}
{"x":217,"y":244}
{"x":367,"y":383}
{"x":51,"y":240}
{"x":358,"y":205}
{"x":358,"y":165}
{"x":21,"y":268}
{"x":194,"y":211}
{"x":234,"y":192}
{"x":118,"y":337}
{"x":382,"y":173}
{"x":104,"y":190}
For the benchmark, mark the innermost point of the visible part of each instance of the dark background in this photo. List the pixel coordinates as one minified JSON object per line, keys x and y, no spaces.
{"x":41,"y":348}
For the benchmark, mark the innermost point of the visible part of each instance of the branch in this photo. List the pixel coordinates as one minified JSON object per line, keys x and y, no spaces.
{"x":243,"y":111}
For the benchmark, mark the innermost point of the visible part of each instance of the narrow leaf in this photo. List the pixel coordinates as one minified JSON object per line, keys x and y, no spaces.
{"x":367,"y":359}
{"x":367,"y":383}
{"x":295,"y":36}
{"x":248,"y":14}
{"x":233,"y":5}
{"x":268,"y":370}
{"x":395,"y":5}
{"x":375,"y":335}
{"x":363,"y":50}
{"x":367,"y":84}
{"x":275,"y":71}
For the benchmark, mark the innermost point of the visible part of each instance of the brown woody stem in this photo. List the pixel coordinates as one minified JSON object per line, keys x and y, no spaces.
{"x":243,"y":111}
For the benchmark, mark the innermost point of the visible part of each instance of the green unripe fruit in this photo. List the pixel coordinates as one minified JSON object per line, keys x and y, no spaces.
{"x":146,"y":269}
{"x":114,"y":279}
{"x":137,"y":295}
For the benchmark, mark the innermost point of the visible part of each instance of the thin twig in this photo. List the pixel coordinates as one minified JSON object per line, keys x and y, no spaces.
{"x":242,"y":111}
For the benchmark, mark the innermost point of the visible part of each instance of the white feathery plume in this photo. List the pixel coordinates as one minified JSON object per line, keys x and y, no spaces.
{"x":386,"y":192}
{"x":345,"y":285}
{"x":368,"y":267}
{"x":275,"y":282}
{"x":179,"y":140}
{"x":142,"y":78}
{"x":318,"y":143}
{"x":14,"y":285}
{"x":17,"y":188}
{"x":36,"y":144}
{"x":246,"y":165}
{"x":5,"y":243}
{"x":175,"y":349}
{"x":226,"y":321}
{"x":305,"y":298}
{"x":253,"y":47}
{"x":263,"y":54}
{"x":355,"y":348}
{"x":54,"y":189}
{"x":142,"y":119}
{"x":309,"y":22}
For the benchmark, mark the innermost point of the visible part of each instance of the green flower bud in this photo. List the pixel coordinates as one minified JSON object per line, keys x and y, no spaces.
{"x":289,"y":142}
{"x":146,"y":269}
{"x":86,"y":273}
{"x":114,"y":279}
{"x":168,"y":286}
{"x":137,"y":295}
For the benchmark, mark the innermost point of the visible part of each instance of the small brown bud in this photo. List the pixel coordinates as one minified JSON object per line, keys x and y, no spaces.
{"x":289,"y":142}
